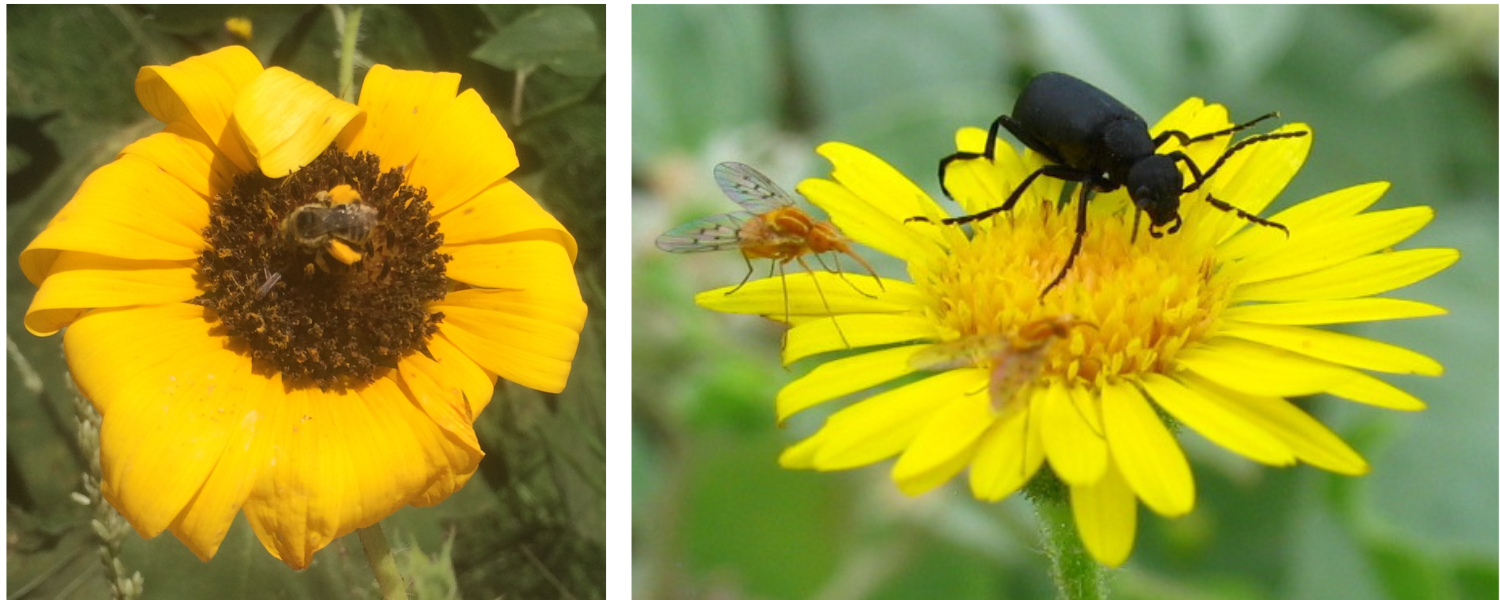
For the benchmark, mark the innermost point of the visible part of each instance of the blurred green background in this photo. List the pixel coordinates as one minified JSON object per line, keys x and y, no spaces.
{"x":1402,"y":94}
{"x":530,"y":524}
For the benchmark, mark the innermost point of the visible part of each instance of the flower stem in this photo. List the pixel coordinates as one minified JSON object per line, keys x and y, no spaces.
{"x":1073,"y":571}
{"x":383,"y":563}
{"x":348,"y":26}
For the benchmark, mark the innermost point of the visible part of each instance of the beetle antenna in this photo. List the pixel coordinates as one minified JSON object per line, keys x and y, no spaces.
{"x":1081,"y":228}
{"x":1242,"y":126}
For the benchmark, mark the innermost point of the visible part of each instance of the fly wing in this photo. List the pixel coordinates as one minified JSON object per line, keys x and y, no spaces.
{"x":750,"y":188}
{"x":714,"y":232}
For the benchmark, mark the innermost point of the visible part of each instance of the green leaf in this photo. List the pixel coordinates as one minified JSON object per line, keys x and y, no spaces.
{"x":563,"y":38}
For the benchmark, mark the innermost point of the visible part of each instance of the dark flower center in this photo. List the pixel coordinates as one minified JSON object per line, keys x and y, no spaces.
{"x":325,"y":274}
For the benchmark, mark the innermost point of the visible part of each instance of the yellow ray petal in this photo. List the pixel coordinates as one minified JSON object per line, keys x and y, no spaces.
{"x":542,"y":266}
{"x":500,"y":213}
{"x":1359,"y":277}
{"x":202,"y":90}
{"x":1304,"y":435}
{"x":186,"y":157}
{"x":1333,"y":205}
{"x":442,"y":399}
{"x":1323,"y":245}
{"x":1105,"y":513}
{"x":1327,"y":312}
{"x":1372,"y":391}
{"x":883,"y":425}
{"x":817,"y":337}
{"x":944,"y":446}
{"x":1074,"y":448}
{"x":846,"y":293}
{"x":883,"y":199}
{"x":838,"y":378}
{"x":1147,"y":454}
{"x":1251,"y":179}
{"x":287,"y":121}
{"x":1217,"y":420}
{"x":1261,"y":370}
{"x":1336,"y":348}
{"x":80,"y":281}
{"x":802,"y":454}
{"x":467,"y":152}
{"x":978,"y":185}
{"x":855,"y":217}
{"x":478,"y":385}
{"x":1007,"y":455}
{"x":523,"y":336}
{"x":401,"y":108}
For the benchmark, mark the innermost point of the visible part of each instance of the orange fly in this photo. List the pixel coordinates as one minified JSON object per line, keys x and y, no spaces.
{"x":771,"y":226}
{"x":1014,"y":361}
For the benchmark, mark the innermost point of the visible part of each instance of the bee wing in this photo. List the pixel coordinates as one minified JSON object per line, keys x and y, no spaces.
{"x":314,"y":221}
{"x":714,"y":232}
{"x":750,"y":188}
{"x":351,"y":222}
{"x":355,"y":210}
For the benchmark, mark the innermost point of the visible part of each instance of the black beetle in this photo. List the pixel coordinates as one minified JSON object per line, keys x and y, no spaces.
{"x":1097,"y":141}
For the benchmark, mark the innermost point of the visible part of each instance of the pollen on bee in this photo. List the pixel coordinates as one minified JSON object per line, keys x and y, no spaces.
{"x":342,"y":193}
{"x":343,"y":252}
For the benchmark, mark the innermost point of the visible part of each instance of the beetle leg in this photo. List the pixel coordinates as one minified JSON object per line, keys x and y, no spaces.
{"x":1078,"y":231}
{"x":989,"y":153}
{"x":1056,"y":171}
{"x":943,"y":169}
{"x":989,"y":142}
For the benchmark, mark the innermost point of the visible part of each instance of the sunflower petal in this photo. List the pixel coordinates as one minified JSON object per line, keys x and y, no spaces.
{"x":522,"y":335}
{"x":1007,"y":455}
{"x":440,"y":398}
{"x":401,"y":108}
{"x":883,"y":425}
{"x":1310,"y":440}
{"x":1105,"y":513}
{"x":201,"y":91}
{"x":1261,"y":370}
{"x":1336,"y":348}
{"x":1359,"y":277}
{"x":1333,"y":205}
{"x":187,"y":158}
{"x":1335,"y":242}
{"x":467,"y":152}
{"x":1074,"y":448}
{"x":880,"y":225}
{"x":1327,"y":312}
{"x":860,"y":330}
{"x":478,"y":385}
{"x":80,"y":281}
{"x":1252,"y":178}
{"x":502,"y":213}
{"x":1369,"y":390}
{"x":1147,"y":454}
{"x":838,"y":378}
{"x":944,"y":445}
{"x":542,"y":266}
{"x":1217,"y":420}
{"x":287,"y":121}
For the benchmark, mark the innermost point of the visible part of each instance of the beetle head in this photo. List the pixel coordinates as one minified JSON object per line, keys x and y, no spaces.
{"x":1155,"y":186}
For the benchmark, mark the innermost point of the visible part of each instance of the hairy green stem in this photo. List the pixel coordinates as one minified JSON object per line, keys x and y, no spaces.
{"x":1075,"y":573}
{"x":383,"y":563}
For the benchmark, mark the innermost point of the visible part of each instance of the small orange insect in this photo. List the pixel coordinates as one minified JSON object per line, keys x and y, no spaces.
{"x":1015,"y":362}
{"x":771,"y":226}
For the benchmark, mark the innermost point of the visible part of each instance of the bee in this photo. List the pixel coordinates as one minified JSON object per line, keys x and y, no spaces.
{"x":334,"y":228}
{"x":771,"y":226}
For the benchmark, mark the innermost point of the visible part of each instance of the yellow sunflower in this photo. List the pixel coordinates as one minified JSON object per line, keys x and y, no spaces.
{"x":297,"y":306}
{"x":1210,"y":327}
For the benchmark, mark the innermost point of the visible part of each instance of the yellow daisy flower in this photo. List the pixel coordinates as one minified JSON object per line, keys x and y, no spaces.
{"x":1210,"y":326}
{"x":297,"y":306}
